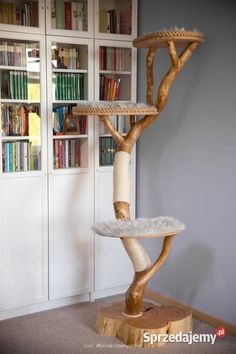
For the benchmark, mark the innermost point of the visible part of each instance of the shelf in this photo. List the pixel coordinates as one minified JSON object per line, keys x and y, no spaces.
{"x":67,"y":101}
{"x":72,"y":136}
{"x":109,"y":135}
{"x":9,"y":100}
{"x":26,"y":137}
{"x":7,"y":67}
{"x":79,"y":71}
{"x":114,"y":72}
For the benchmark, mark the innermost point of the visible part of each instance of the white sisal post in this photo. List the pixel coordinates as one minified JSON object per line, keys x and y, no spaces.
{"x":121,"y":190}
{"x":121,"y":193}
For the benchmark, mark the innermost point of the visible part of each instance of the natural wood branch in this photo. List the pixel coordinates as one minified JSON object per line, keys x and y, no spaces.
{"x":163,"y":91}
{"x":170,"y":76}
{"x":134,"y":294}
{"x":173,"y":53}
{"x":149,"y":74}
{"x":134,"y":133}
{"x":131,"y":120}
{"x":116,"y":135}
{"x":186,"y":53}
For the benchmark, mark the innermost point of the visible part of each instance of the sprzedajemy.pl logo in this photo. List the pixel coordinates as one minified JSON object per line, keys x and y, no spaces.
{"x":184,"y":337}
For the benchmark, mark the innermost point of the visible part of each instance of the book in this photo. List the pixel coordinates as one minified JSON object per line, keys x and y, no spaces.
{"x":80,"y":16}
{"x":74,"y":11}
{"x":68,"y":16}
{"x":53,"y":13}
{"x":60,"y":14}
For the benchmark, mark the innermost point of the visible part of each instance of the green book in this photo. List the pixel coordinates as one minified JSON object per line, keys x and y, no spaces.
{"x":56,"y":88}
{"x":60,"y":14}
{"x":65,"y":87}
{"x":22,"y":96}
{"x":12,"y":84}
{"x":77,"y":93}
{"x":17,"y":85}
{"x":59,"y":84}
{"x":25,"y":84}
{"x":73,"y":86}
{"x":81,"y":85}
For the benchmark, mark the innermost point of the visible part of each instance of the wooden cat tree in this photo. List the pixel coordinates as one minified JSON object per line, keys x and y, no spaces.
{"x":129,"y":319}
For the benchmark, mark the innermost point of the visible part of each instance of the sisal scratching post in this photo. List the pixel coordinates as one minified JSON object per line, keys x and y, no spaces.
{"x":130,"y":319}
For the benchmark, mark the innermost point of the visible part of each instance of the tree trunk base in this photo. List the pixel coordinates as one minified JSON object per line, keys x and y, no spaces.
{"x":154,"y":320}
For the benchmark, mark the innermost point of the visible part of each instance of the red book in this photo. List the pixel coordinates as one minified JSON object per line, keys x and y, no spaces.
{"x":106,"y":83}
{"x":24,"y":121}
{"x":68,"y":16}
{"x":60,"y":154}
{"x":56,"y":153}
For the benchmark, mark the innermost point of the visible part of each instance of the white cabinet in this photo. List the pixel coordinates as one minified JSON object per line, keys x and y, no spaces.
{"x":23,"y":241}
{"x":56,"y":169}
{"x":71,"y":239}
{"x":23,"y":171}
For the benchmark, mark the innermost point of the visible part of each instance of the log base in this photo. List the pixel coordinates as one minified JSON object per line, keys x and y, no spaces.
{"x":154,"y":320}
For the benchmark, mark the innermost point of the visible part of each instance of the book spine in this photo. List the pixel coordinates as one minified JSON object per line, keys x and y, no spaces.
{"x":53,"y":13}
{"x":60,"y":14}
{"x":68,"y":16}
{"x":81,"y":17}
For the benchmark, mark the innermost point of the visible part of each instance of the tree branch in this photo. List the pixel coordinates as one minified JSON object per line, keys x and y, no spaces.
{"x":131,"y":120}
{"x":116,"y":135}
{"x":163,"y":91}
{"x":148,"y":273}
{"x":186,"y":53}
{"x":149,"y":74}
{"x":135,"y":131}
{"x":173,"y":55}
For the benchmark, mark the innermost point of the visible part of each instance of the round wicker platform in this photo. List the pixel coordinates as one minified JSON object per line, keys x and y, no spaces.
{"x":159,"y":39}
{"x":104,"y":108}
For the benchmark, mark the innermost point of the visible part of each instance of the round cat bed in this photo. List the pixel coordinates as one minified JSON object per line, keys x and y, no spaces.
{"x":139,"y":228}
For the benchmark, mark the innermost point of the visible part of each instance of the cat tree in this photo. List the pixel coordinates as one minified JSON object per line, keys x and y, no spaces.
{"x":129,"y":320}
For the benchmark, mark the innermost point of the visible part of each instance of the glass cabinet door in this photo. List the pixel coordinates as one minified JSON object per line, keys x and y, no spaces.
{"x":68,"y":18}
{"x":22,"y":16}
{"x":20,"y":105}
{"x":116,"y":19}
{"x":69,"y":84}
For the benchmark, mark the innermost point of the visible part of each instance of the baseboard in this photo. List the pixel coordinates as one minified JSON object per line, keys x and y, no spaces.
{"x":47,"y":305}
{"x":202,"y":316}
{"x":97,"y":294}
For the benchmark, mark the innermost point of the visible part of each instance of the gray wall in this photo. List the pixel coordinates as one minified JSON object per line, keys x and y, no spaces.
{"x":187,"y":159}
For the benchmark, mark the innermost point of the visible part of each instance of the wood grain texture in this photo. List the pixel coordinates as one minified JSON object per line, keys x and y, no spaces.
{"x":155,"y":319}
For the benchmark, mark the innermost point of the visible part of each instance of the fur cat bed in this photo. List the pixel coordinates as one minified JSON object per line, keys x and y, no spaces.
{"x":141,"y":227}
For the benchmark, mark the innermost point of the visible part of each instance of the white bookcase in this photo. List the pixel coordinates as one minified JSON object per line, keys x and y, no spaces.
{"x":23,"y":202}
{"x":48,"y":254}
{"x":114,"y":60}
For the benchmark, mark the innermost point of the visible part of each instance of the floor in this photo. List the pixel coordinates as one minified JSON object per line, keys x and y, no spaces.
{"x":70,"y":330}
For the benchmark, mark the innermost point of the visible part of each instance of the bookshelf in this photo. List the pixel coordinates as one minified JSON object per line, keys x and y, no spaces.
{"x":22,"y":16}
{"x":115,"y":79}
{"x":115,"y":70}
{"x":69,"y":18}
{"x":21,"y":101}
{"x":70,"y":73}
{"x":116,"y":19}
{"x":52,"y":177}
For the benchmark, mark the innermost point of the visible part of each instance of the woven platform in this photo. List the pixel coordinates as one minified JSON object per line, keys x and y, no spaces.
{"x":103,"y":108}
{"x":159,"y":39}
